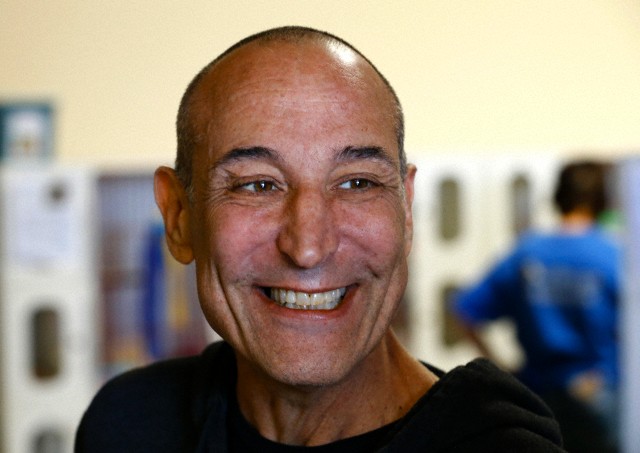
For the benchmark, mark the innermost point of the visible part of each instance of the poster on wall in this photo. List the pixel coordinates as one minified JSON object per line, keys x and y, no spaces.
{"x":26,"y":130}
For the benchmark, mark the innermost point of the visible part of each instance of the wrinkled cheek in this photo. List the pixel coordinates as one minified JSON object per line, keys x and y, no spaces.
{"x":209,"y":278}
{"x":390,"y":270}
{"x":383,"y":241}
{"x":238,"y":238}
{"x":210,"y":294}
{"x":221,"y":242}
{"x":227,"y":259}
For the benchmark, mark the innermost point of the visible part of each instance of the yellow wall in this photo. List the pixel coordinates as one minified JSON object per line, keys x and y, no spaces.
{"x":472,"y":75}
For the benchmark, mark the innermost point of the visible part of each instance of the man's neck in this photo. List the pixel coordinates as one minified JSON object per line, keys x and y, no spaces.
{"x":577,"y":221}
{"x":382,"y":390}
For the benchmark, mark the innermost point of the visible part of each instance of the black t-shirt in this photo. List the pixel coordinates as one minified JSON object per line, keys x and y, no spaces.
{"x":245,"y":438}
{"x":186,"y":405}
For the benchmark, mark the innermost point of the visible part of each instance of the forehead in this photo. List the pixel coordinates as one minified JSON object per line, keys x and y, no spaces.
{"x":292,"y":87}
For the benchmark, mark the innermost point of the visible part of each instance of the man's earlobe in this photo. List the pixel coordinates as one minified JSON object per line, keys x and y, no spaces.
{"x":173,"y":202}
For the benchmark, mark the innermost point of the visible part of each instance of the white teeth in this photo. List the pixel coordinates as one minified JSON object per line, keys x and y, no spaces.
{"x":311,"y":301}
{"x":302,"y":299}
{"x":317,"y":298}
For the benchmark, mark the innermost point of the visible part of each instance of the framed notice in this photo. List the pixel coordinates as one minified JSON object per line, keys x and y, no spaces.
{"x":26,"y":130}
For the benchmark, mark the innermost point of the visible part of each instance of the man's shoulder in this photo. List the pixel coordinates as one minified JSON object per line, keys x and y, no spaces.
{"x":161,"y":381}
{"x":149,"y":385}
{"x":159,"y":403}
{"x":478,"y":407}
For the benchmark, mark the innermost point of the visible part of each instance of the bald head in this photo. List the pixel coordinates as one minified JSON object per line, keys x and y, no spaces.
{"x":297,"y":52}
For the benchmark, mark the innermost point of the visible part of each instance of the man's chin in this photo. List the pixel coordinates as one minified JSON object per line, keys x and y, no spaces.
{"x":308,"y":379}
{"x":310,"y":371}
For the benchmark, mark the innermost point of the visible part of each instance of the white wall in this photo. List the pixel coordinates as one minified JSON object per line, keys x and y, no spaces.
{"x":473,"y":76}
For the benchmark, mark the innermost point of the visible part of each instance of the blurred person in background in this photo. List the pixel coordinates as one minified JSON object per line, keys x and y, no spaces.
{"x":561,"y":290}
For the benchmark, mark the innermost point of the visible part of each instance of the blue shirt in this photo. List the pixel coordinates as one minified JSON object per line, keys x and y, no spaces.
{"x":561,"y":290}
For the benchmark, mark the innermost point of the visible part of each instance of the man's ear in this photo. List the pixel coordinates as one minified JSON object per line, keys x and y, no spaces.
{"x":408,"y":193}
{"x":173,"y":202}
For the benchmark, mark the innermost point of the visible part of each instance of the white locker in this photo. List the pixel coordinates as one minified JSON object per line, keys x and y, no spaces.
{"x":464,"y":219}
{"x":48,"y":305}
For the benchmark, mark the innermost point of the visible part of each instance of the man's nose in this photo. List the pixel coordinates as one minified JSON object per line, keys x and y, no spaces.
{"x":308,"y":235}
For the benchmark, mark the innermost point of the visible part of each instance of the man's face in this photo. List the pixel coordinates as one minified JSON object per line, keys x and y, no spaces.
{"x":300,"y":223}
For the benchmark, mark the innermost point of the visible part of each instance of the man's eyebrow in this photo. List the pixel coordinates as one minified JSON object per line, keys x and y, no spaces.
{"x":365,"y":152}
{"x":248,"y":153}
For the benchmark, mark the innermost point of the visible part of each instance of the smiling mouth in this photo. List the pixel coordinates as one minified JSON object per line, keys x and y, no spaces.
{"x":327,"y":300}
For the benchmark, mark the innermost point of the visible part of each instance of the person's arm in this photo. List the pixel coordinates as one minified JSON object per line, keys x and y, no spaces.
{"x":485,"y":301}
{"x":474,"y":335}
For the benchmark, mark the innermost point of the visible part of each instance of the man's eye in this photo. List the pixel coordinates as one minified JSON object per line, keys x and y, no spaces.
{"x":356,"y":183}
{"x":259,"y":186}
